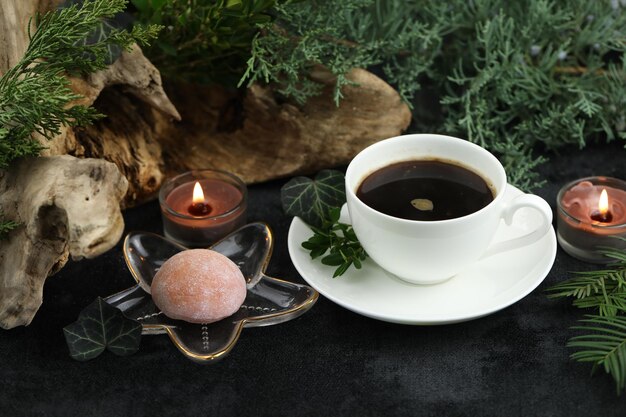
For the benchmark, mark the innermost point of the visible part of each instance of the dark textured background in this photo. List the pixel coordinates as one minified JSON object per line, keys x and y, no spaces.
{"x":329,"y":361}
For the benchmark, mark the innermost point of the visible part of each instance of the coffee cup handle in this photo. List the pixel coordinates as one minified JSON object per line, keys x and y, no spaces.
{"x":523,"y":201}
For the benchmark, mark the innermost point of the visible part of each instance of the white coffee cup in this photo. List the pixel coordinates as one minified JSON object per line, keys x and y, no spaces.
{"x":429,"y":252}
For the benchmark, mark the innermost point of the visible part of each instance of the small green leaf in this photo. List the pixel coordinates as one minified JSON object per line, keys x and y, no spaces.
{"x":101,"y":326}
{"x":314,"y":246}
{"x":334,"y":214}
{"x":310,"y":246}
{"x":320,"y":231}
{"x":316,"y":253}
{"x":311,"y":200}
{"x":319,"y":240}
{"x":334,"y":259}
{"x":342,"y":269}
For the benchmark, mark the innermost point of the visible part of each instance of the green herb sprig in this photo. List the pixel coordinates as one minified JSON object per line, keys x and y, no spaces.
{"x":338,"y":242}
{"x":603,"y":338}
{"x":318,"y":202}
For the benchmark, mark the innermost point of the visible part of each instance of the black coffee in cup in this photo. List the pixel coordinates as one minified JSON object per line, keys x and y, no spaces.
{"x":425,"y":190}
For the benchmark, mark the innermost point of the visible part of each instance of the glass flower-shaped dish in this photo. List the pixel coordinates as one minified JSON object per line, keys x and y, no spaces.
{"x":269,"y":300}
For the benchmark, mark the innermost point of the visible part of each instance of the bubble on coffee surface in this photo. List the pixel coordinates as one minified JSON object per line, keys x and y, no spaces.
{"x":422,"y":204}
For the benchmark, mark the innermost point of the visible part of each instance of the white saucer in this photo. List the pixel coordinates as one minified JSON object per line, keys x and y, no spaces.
{"x":489,"y":285}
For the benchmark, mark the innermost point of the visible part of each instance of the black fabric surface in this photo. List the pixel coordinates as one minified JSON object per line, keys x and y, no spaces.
{"x":330,"y":361}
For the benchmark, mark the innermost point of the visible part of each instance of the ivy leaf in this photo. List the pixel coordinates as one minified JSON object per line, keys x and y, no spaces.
{"x":101,"y":326}
{"x":311,"y":200}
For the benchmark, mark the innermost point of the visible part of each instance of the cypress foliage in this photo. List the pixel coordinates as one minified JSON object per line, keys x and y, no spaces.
{"x":508,"y":75}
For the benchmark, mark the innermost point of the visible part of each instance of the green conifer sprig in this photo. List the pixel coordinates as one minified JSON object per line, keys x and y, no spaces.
{"x":602,"y":338}
{"x":6,"y":227}
{"x":204,"y":41}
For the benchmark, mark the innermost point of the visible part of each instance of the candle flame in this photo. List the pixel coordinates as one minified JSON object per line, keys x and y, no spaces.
{"x":198,"y":194}
{"x":603,"y":204}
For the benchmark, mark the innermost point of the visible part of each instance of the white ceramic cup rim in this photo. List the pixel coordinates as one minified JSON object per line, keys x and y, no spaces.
{"x":499,"y":188}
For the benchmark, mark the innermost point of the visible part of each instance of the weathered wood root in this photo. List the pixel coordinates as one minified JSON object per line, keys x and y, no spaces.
{"x":257,"y":136}
{"x":67,"y":207}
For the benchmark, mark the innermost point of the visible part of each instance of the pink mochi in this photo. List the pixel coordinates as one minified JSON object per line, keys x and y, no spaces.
{"x":198,"y":286}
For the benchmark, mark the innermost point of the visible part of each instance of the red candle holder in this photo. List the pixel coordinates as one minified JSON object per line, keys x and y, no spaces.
{"x":199,"y":215}
{"x":585,"y":225}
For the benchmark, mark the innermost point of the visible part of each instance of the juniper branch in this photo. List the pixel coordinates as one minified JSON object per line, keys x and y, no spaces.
{"x":506,"y":75}
{"x":603,"y":338}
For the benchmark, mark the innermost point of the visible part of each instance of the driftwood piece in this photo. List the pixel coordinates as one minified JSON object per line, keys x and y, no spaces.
{"x":72,"y":208}
{"x":255,"y":135}
{"x":14,"y":17}
{"x":67,"y":206}
{"x":131,"y":76}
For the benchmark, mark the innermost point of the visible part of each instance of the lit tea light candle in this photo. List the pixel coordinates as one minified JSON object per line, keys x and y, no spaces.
{"x":591,"y":211}
{"x":201,"y":207}
{"x":198,"y":206}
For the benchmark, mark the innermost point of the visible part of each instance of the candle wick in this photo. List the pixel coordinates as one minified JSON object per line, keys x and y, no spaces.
{"x":200,"y":209}
{"x":605,"y":217}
